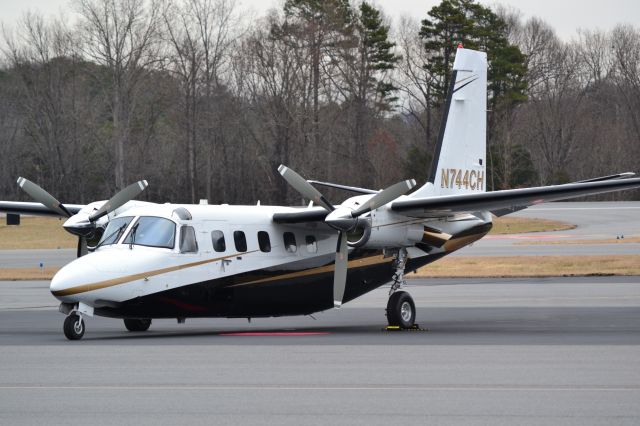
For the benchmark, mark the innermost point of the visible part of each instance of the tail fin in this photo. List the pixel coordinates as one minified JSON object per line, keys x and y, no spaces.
{"x":459,"y":162}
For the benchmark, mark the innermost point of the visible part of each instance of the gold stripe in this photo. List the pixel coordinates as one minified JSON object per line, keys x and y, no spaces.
{"x":83,"y":288}
{"x":436,"y":239}
{"x":357,"y":263}
{"x":457,"y":243}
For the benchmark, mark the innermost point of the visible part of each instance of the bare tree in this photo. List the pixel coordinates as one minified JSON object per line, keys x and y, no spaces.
{"x":625,"y":40}
{"x":44,"y":60}
{"x":413,"y":79}
{"x":122,"y":36}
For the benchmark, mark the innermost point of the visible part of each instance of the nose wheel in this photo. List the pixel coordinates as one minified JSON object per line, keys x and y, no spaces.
{"x":73,"y":327}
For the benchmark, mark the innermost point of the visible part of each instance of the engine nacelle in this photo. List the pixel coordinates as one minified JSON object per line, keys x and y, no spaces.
{"x":395,"y":236}
{"x":393,"y":230}
{"x":360,"y":235}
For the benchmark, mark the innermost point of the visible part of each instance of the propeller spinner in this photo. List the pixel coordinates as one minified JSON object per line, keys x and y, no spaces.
{"x":343,"y":219}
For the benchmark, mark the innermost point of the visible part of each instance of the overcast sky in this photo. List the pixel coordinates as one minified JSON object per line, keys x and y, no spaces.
{"x":566,"y":16}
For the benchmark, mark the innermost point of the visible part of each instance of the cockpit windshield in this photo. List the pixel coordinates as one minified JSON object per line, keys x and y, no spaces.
{"x":114,"y":230}
{"x":152,"y":232}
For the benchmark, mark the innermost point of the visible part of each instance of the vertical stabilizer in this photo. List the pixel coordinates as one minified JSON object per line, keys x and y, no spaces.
{"x":459,"y":162}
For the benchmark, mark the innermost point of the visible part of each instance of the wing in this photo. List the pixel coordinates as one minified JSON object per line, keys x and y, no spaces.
{"x":507,"y":200}
{"x":37,"y":209}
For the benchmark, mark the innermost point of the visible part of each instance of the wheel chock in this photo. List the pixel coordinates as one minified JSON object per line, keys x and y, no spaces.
{"x":415,"y":327}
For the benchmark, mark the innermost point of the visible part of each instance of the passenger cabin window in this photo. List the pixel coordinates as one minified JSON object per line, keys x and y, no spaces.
{"x":114,"y":231}
{"x":264,"y":242}
{"x":188,"y":242}
{"x":290,"y":242}
{"x":152,"y":232}
{"x":217,"y":238}
{"x":312,"y":245}
{"x":240,"y":241}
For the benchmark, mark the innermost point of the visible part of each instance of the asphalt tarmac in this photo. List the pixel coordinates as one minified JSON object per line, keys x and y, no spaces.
{"x":553,"y":351}
{"x":558,"y":351}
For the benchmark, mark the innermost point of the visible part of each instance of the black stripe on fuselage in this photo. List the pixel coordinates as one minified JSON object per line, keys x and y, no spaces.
{"x":289,"y":295}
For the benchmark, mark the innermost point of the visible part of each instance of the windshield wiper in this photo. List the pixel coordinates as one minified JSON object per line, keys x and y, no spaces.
{"x":133,"y":235}
{"x":108,"y":237}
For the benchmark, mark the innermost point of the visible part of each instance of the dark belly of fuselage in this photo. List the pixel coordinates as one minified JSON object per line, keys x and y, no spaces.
{"x":278,"y":294}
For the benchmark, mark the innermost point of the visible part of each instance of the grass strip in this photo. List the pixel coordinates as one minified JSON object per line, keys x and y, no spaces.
{"x":530,"y":266}
{"x":36,"y":233}
{"x":626,"y":240}
{"x":522,"y":225}
{"x":27,"y":274}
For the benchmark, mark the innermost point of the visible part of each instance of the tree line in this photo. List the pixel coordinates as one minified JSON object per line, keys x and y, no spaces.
{"x":204,"y":102}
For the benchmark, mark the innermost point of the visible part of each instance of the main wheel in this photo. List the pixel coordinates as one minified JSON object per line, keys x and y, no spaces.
{"x":137,"y":324}
{"x":401,"y":311}
{"x":73,"y":327}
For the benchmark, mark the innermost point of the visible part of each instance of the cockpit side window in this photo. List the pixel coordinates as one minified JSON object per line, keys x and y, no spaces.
{"x":188,"y":242}
{"x":152,"y":232}
{"x":114,"y":231}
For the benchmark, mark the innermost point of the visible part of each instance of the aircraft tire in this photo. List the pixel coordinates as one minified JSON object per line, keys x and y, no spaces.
{"x":73,"y":327}
{"x":137,"y":324}
{"x":401,"y":310}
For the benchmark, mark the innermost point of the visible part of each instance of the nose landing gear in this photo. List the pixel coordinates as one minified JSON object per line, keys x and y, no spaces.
{"x":73,"y":327}
{"x":74,"y":322}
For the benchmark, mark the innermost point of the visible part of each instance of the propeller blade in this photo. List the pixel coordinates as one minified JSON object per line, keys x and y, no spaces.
{"x":385,"y":196}
{"x":82,"y":247}
{"x":341,"y":267}
{"x":118,"y":200}
{"x":42,"y":196}
{"x":303,"y":187}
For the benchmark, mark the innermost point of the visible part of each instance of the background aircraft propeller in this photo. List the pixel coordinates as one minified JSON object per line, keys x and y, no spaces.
{"x":343,"y":219}
{"x":88,"y":231}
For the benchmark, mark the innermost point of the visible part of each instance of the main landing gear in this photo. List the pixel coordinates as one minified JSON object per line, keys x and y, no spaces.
{"x":137,"y":324}
{"x":401,"y":310}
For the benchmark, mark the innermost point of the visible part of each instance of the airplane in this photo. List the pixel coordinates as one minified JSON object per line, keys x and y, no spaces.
{"x":140,"y":261}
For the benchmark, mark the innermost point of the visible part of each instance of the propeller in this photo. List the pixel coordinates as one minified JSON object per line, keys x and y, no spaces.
{"x":42,"y":196}
{"x":118,"y":200}
{"x":301,"y":185}
{"x":82,"y":226}
{"x":343,"y":219}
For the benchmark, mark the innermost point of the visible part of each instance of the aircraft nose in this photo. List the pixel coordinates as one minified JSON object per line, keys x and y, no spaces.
{"x":69,"y":281}
{"x":59,"y":285}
